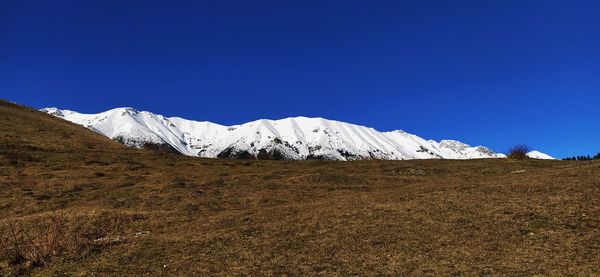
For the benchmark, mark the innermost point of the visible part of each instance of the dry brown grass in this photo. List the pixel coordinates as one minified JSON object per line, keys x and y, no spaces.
{"x":172,"y":215}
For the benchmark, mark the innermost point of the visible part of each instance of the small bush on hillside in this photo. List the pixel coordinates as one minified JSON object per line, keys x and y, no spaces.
{"x":519,"y":152}
{"x":22,"y":248}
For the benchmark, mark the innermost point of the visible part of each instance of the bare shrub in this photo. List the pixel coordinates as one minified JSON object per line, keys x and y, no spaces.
{"x":22,"y":248}
{"x":519,"y":152}
{"x":12,"y":245}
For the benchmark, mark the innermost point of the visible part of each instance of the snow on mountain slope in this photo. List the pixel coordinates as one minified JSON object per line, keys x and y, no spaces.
{"x":129,"y":126}
{"x":293,"y":138}
{"x":539,"y":155}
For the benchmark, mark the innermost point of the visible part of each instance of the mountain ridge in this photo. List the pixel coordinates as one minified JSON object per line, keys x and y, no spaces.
{"x":293,"y":138}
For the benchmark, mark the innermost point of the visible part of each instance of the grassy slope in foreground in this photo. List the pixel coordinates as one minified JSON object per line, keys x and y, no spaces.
{"x":163,"y":214}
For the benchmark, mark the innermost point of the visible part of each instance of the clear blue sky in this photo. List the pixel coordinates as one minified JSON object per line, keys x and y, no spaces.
{"x":494,"y":73}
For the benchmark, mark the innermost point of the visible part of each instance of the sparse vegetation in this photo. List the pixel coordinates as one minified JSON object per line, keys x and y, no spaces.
{"x":518,"y":152}
{"x":583,"y":158}
{"x":23,"y":247}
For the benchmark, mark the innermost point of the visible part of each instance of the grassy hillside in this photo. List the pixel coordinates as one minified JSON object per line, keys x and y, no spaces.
{"x":77,"y":203}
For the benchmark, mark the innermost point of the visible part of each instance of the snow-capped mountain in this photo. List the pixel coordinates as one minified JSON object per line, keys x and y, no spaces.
{"x":539,"y":155}
{"x":294,"y":138}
